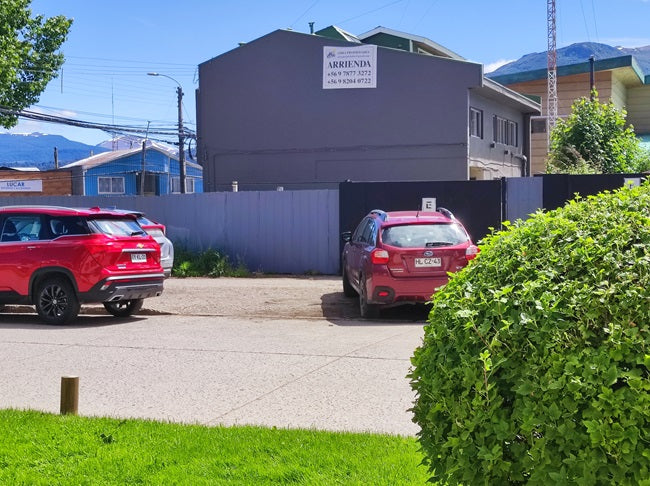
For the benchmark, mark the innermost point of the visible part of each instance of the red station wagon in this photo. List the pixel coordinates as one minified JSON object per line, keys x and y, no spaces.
{"x":59,"y":258}
{"x":402,"y":257}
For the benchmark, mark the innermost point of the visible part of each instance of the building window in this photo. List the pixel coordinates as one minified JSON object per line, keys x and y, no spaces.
{"x":110,"y":185}
{"x":505,"y":131}
{"x":476,"y":122}
{"x":176,"y":185}
{"x":189,"y":185}
{"x":537,"y":125}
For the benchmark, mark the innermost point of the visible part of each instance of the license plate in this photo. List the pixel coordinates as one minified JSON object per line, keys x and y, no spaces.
{"x":138,"y":257}
{"x":428,"y":262}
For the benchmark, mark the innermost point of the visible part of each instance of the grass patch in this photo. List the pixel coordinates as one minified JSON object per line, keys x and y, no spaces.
{"x":41,"y":449}
{"x":209,"y":263}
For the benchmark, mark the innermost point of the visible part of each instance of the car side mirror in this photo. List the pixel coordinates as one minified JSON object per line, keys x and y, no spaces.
{"x":346,"y":236}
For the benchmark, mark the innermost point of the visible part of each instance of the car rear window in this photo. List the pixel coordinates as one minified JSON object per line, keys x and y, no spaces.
{"x":117,"y":226}
{"x":145,"y":221}
{"x":424,"y":235}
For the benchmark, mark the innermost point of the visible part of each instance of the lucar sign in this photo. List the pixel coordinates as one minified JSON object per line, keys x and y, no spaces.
{"x":32,"y":185}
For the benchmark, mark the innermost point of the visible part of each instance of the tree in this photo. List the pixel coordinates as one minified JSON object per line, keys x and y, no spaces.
{"x":594,"y":139}
{"x":28,"y":55}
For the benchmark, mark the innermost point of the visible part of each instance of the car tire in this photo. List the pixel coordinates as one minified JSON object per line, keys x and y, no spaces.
{"x":56,"y":301}
{"x":124,"y":308}
{"x":368,"y":311}
{"x":348,"y":289}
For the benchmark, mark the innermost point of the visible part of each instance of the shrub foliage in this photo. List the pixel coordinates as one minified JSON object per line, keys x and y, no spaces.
{"x":209,"y":263}
{"x":534,"y":366}
{"x":595,"y":139}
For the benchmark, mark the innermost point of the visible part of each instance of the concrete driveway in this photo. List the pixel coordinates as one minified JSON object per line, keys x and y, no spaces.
{"x":285,"y":352}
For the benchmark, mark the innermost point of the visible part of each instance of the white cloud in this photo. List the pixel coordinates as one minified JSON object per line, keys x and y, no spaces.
{"x":493,"y":66}
{"x":28,"y":126}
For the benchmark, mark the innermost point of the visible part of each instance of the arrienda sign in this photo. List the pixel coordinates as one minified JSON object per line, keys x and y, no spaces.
{"x":32,"y":185}
{"x":350,"y":67}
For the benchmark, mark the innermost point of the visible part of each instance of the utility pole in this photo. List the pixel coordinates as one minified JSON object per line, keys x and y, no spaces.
{"x":144,"y":159}
{"x":181,"y":138}
{"x":181,"y":132}
{"x":592,"y":82}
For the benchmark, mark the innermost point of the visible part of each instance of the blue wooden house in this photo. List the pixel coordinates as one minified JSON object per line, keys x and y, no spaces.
{"x":152,"y":171}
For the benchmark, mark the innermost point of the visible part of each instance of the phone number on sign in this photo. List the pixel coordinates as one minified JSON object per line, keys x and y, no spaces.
{"x":350,"y":73}
{"x":350,"y":81}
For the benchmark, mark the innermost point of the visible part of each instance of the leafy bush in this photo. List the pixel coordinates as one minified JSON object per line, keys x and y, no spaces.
{"x":210,"y":263}
{"x":595,"y":139}
{"x":535,"y":363}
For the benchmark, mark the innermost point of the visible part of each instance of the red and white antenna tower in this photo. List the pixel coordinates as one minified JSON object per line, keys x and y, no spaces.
{"x":551,"y":61}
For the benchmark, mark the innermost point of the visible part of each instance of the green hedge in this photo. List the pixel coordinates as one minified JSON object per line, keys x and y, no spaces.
{"x":535,"y":363}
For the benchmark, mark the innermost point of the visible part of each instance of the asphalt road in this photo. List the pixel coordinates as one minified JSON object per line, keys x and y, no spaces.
{"x":285,"y":352}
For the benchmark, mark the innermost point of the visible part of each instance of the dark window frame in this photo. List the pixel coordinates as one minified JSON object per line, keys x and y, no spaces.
{"x":475,"y":122}
{"x":505,"y":131}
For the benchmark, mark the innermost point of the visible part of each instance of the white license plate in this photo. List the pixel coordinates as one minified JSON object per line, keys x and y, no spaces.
{"x":428,"y":262}
{"x":138,"y":257}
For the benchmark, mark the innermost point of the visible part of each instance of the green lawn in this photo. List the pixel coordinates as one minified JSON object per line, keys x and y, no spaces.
{"x":44,"y":449}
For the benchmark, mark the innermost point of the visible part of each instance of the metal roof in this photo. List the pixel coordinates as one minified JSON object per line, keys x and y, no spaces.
{"x":609,"y":64}
{"x":106,"y":157}
{"x":436,"y":48}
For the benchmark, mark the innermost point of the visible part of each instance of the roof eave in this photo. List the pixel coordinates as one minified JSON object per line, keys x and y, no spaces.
{"x":524,"y":102}
{"x":578,"y":68}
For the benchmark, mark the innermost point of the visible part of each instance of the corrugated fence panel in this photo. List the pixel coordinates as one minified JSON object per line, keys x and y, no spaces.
{"x":524,"y":196}
{"x":274,"y":232}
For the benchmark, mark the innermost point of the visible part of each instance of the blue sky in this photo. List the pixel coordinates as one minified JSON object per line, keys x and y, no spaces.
{"x":112,"y":45}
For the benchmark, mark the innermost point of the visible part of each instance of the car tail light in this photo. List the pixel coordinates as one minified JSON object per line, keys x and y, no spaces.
{"x":471,"y":252}
{"x":379,"y":256}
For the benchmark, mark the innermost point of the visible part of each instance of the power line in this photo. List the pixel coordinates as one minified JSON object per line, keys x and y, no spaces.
{"x":370,"y":11}
{"x":110,"y":128}
{"x":304,"y":13}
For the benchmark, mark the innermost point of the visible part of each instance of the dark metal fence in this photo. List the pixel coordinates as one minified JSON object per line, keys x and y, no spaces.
{"x":476,"y":203}
{"x":560,"y":188}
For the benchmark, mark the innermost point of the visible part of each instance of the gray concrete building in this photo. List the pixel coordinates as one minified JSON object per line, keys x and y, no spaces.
{"x":297,"y":110}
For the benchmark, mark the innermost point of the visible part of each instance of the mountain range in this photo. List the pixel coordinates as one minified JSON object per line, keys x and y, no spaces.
{"x":37,"y":150}
{"x":575,"y":54}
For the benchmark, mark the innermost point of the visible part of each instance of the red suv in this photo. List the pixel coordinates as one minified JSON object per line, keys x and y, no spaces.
{"x":58,"y":258}
{"x":402,"y":257}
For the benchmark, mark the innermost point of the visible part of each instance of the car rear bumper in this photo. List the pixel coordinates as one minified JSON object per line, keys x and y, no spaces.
{"x":167,"y":267}
{"x":117,"y":288}
{"x":384,"y":289}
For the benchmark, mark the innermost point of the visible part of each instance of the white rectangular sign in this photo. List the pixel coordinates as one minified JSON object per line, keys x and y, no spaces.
{"x":350,"y":67}
{"x":32,"y":185}
{"x":428,"y":204}
{"x":631,"y":181}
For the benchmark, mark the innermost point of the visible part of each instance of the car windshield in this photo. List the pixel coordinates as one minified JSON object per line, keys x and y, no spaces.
{"x":424,"y":235}
{"x":117,"y":226}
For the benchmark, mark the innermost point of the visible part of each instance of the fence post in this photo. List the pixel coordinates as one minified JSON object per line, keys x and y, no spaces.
{"x":69,"y":395}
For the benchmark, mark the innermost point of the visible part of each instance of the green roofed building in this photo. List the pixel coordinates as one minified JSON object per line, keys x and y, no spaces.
{"x":620,"y":75}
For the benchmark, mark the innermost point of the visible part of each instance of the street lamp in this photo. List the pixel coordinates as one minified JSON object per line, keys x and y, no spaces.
{"x":181,"y":134}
